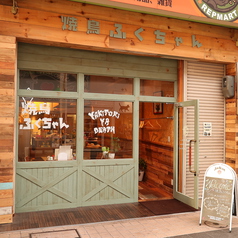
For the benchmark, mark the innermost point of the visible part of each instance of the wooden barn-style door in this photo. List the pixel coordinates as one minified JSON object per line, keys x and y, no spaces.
{"x":60,"y":185}
{"x":46,"y":186}
{"x":111,"y":181}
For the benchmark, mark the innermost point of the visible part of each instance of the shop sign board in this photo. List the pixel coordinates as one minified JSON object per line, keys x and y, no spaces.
{"x":225,"y":10}
{"x":220,"y":11}
{"x":70,"y":23}
{"x":218,"y":195}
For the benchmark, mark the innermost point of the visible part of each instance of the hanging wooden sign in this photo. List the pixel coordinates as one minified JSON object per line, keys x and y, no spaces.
{"x":218,"y":195}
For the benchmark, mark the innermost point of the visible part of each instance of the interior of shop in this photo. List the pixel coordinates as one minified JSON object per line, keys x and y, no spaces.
{"x":156,"y":151}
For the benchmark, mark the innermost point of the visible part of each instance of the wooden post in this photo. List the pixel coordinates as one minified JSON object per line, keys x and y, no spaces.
{"x":7,"y":119}
{"x":231,"y":124}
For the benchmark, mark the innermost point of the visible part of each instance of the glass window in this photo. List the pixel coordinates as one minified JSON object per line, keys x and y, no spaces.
{"x":48,"y":81}
{"x":156,"y":88}
{"x":47,"y":129}
{"x":112,"y":85}
{"x":108,"y":129}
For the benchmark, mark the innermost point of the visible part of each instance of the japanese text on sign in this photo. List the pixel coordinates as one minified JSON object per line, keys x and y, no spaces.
{"x":30,"y":108}
{"x":93,"y":27}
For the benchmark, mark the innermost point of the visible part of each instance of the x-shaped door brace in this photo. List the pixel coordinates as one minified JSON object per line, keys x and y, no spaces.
{"x":46,"y":186}
{"x":107,"y":182}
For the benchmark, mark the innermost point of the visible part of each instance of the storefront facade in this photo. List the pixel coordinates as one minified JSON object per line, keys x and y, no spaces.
{"x":106,"y":105}
{"x":82,"y":81}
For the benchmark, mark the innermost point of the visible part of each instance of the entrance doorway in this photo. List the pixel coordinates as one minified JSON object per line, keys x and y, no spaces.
{"x":156,"y":146}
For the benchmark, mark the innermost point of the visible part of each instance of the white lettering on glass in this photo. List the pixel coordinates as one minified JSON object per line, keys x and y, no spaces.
{"x":104,"y":115}
{"x":30,"y":108}
{"x":107,"y":129}
{"x":47,"y":124}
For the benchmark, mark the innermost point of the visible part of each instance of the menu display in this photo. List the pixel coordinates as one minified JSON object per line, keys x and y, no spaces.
{"x":218,"y":195}
{"x":217,"y":200}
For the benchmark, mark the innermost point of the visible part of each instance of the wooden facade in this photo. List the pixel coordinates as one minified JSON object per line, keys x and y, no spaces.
{"x":231,"y":124}
{"x":7,"y":125}
{"x":40,"y":22}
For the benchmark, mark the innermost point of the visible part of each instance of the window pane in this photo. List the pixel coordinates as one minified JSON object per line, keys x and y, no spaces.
{"x":156,"y":88}
{"x":48,"y":81}
{"x":108,"y":129}
{"x":112,"y":85}
{"x":47,"y":129}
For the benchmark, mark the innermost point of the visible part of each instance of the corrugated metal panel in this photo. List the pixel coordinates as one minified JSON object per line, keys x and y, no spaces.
{"x":203,"y":82}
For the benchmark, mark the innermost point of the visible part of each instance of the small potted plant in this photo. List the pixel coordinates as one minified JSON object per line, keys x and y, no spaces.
{"x":105,"y":151}
{"x":142,"y":168}
{"x":115,"y":147}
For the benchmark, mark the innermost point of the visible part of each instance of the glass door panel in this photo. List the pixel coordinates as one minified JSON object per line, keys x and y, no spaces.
{"x":186,"y":153}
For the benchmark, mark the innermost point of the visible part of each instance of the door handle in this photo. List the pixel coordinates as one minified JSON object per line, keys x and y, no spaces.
{"x":190,"y":157}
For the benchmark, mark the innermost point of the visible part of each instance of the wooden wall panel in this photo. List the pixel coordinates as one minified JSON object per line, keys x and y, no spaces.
{"x":7,"y":117}
{"x":6,"y":218}
{"x":159,"y":158}
{"x":6,"y":159}
{"x":41,"y":23}
{"x":111,"y":14}
{"x":69,"y":60}
{"x":231,"y":125}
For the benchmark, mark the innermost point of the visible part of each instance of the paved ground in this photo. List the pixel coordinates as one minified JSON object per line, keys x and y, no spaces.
{"x":184,"y":225}
{"x":212,"y":234}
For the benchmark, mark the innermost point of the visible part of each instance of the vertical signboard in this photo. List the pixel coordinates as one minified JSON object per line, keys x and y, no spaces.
{"x":218,"y":195}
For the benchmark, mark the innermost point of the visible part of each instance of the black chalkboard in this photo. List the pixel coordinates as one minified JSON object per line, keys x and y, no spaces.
{"x":217,"y":200}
